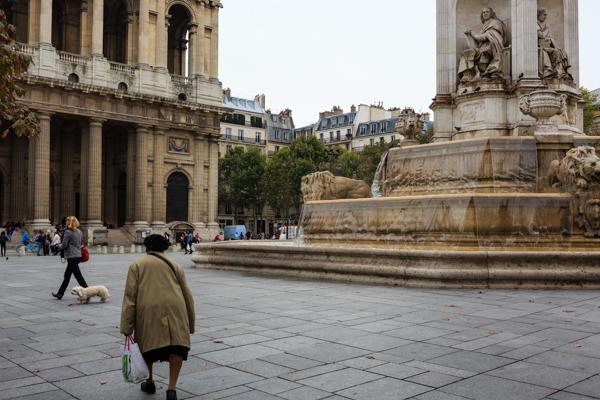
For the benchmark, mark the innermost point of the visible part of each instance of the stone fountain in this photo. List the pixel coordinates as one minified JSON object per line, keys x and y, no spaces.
{"x":507,"y":196}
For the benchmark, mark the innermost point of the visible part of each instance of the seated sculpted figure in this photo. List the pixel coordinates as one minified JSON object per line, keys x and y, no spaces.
{"x":483,"y":58}
{"x":555,"y":61}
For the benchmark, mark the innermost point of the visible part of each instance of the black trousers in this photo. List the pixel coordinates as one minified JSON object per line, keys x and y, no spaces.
{"x":72,"y":269}
{"x":3,"y":249}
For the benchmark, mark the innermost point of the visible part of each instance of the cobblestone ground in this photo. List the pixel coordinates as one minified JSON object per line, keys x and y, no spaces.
{"x":270,"y":338}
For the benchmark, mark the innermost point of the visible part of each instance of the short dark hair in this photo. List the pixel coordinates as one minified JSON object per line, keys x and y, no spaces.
{"x":156,"y":243}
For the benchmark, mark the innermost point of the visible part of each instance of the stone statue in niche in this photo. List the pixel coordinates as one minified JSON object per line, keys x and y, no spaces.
{"x":554,"y":61}
{"x":483,"y":58}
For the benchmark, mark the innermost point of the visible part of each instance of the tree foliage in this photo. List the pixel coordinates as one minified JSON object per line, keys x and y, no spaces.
{"x":242,"y":179}
{"x":15,"y":117}
{"x":592,"y":105}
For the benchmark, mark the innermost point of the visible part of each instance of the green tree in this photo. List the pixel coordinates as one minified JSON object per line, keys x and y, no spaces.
{"x":590,"y":108}
{"x":242,"y":180}
{"x":15,"y":117}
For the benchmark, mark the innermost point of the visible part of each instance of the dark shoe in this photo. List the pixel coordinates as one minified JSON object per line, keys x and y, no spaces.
{"x":171,"y":395}
{"x":148,"y":387}
{"x":57,"y":296}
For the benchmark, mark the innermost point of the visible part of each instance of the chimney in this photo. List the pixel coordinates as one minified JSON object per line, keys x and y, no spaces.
{"x":262,"y":100}
{"x":426,"y":116}
{"x":227,"y":93}
{"x":353,"y":108}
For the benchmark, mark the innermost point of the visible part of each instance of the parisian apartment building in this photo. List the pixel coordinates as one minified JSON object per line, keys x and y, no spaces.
{"x":247,"y":123}
{"x":365,"y":125}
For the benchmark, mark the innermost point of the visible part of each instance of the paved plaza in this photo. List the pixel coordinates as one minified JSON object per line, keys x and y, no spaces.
{"x":261,"y":338}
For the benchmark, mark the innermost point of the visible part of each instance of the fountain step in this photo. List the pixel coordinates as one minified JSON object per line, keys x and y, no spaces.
{"x":542,"y":269}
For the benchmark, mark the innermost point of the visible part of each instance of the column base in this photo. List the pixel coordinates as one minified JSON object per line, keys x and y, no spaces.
{"x":158,"y":227}
{"x":213,"y":229}
{"x":39,"y":225}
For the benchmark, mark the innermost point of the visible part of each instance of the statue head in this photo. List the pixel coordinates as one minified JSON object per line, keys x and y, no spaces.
{"x":542,"y":14}
{"x":487,"y":14}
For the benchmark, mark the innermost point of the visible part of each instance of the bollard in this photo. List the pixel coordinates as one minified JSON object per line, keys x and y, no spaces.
{"x":98,"y":249}
{"x":104,"y":249}
{"x":121,"y":249}
{"x":140,"y":249}
{"x":132,"y":248}
{"x":21,"y":251}
{"x":115,"y":249}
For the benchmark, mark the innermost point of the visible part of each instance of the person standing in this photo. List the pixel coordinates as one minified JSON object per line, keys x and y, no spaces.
{"x":71,"y":245}
{"x":3,"y":240}
{"x":158,"y":307}
{"x":55,"y":244}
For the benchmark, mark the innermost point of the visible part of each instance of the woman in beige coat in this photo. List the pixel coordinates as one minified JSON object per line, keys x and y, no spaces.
{"x":158,"y":306}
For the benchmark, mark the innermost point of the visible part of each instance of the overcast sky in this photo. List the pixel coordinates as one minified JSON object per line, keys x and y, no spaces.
{"x":312,"y":54}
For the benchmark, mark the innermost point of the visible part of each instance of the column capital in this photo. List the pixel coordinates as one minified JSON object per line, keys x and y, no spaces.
{"x":142,"y":128}
{"x":96,"y":121}
{"x":159,"y":131}
{"x":44,"y":114}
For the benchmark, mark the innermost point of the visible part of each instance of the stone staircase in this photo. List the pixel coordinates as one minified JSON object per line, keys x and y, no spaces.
{"x":119,"y":237}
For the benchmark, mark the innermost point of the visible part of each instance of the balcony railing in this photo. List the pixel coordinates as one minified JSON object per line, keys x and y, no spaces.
{"x":122,"y":68}
{"x":341,"y":139}
{"x":73,"y":58}
{"x":181,"y":80}
{"x":245,"y":140}
{"x":25,"y":48}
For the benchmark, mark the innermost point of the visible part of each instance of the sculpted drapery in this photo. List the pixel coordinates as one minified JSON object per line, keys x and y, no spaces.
{"x":483,"y":59}
{"x":555,"y":61}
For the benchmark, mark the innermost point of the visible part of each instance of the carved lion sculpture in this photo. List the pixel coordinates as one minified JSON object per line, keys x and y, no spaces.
{"x":326,"y":186}
{"x":577,"y":171}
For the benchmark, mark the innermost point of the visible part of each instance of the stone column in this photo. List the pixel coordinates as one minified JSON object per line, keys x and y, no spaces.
{"x":571,"y":12}
{"x":94,"y":175}
{"x":158,"y":186}
{"x":525,"y":41}
{"x":161,"y":35}
{"x":198,"y":203}
{"x":46,"y":21}
{"x":67,"y":206}
{"x":214,"y":51}
{"x":39,"y":176}
{"x":193,"y":54}
{"x":98,"y":27}
{"x":143,"y":26}
{"x":213,"y":184}
{"x":18,"y":187}
{"x":83,"y":28}
{"x":141,"y":177}
{"x":33,"y":33}
{"x":83,"y":172}
{"x":130,"y":207}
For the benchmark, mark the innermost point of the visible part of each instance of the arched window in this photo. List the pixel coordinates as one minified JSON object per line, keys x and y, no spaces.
{"x":66,"y":18}
{"x":179,"y":34}
{"x":178,"y":187}
{"x":115,"y":30}
{"x":17,"y":13}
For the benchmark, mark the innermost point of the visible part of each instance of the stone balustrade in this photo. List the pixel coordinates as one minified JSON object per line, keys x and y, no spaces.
{"x":73,"y":58}
{"x":98,"y":71}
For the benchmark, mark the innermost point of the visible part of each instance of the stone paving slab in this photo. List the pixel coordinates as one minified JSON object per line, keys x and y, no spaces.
{"x":262,"y":338}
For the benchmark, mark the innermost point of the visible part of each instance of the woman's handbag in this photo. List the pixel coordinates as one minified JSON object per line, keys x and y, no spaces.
{"x":85,"y":254}
{"x":134,"y":366}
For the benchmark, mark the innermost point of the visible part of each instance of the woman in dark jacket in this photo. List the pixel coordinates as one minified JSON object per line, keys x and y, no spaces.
{"x":71,"y":245}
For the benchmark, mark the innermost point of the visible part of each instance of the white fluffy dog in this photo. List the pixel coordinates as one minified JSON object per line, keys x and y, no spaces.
{"x":85,"y":294}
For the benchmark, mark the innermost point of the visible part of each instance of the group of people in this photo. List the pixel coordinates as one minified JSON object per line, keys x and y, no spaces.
{"x":187,"y":240}
{"x":42,"y":243}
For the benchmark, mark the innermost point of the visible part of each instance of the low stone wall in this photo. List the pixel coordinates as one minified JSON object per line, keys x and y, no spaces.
{"x":414,"y":268}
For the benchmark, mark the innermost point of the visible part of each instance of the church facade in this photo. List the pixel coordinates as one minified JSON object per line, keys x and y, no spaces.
{"x":128,"y":98}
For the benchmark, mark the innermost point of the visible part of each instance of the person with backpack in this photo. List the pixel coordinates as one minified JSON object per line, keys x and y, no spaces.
{"x":71,"y":245}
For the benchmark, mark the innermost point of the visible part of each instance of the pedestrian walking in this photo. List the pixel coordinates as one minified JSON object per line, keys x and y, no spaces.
{"x":3,"y":240}
{"x":189,"y":243}
{"x":55,"y":244}
{"x":158,"y":308}
{"x":71,"y":245}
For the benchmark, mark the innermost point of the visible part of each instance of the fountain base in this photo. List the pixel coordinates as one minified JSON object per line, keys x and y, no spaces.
{"x":464,"y":269}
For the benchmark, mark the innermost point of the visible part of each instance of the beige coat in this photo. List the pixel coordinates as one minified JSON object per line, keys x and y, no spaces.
{"x":157,"y":304}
